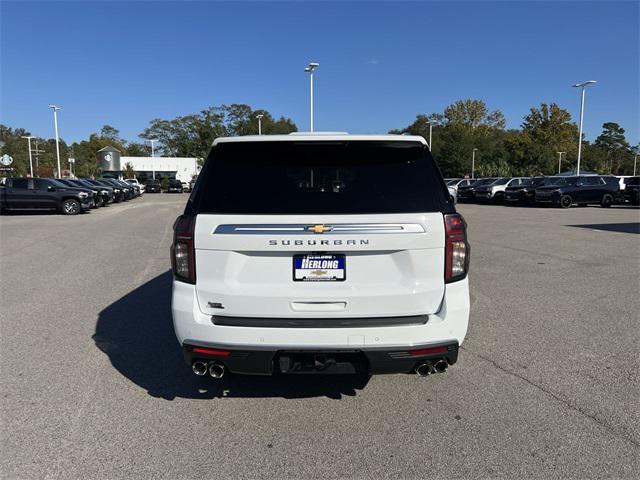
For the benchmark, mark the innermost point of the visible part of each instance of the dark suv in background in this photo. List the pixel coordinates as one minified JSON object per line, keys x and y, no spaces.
{"x":523,"y":194}
{"x":175,"y":186}
{"x":584,"y":190}
{"x":468,"y":193}
{"x":153,"y":186}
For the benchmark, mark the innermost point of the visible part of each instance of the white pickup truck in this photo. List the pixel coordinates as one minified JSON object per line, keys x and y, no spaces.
{"x":134,"y":181}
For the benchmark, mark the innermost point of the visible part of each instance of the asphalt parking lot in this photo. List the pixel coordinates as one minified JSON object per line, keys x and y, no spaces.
{"x":94,"y":385}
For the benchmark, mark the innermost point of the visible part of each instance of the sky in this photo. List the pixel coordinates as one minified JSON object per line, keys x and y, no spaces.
{"x":126,"y":63}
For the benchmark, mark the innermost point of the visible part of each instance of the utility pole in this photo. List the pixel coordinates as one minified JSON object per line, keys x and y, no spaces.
{"x":37,"y":153}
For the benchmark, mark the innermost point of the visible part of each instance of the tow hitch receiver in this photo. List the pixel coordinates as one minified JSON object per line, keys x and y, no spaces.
{"x":322,"y":363}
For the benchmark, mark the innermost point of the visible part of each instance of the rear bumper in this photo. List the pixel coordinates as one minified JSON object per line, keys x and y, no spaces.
{"x":256,"y":348}
{"x":371,"y":361}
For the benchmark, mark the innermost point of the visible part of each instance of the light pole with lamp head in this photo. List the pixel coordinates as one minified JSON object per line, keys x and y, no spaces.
{"x":259,"y":117}
{"x":582,"y":85}
{"x":559,"y":160}
{"x":30,"y":157}
{"x":310,"y":68}
{"x":430,"y":134}
{"x":55,"y":109}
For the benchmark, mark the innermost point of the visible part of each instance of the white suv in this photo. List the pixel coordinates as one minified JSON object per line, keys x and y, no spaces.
{"x":313,"y":253}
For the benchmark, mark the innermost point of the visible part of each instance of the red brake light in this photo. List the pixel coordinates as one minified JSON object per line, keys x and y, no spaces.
{"x":456,"y":249}
{"x":428,"y":351}
{"x":183,"y":255}
{"x":211,"y":351}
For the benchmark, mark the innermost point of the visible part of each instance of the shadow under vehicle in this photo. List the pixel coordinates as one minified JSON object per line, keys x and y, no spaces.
{"x":142,"y":346}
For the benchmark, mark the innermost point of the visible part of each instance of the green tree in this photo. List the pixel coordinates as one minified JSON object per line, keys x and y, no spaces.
{"x":546,"y":130}
{"x":613,"y":144}
{"x":192,"y":135}
{"x":128,"y":171}
{"x":464,"y":125}
{"x":473,"y":114}
{"x":136,"y":149}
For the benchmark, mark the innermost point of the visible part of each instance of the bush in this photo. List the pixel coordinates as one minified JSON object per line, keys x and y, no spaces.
{"x":165,"y":183}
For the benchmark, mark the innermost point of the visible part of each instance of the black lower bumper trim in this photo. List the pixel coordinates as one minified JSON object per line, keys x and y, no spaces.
{"x":318,"y":322}
{"x":371,"y":361}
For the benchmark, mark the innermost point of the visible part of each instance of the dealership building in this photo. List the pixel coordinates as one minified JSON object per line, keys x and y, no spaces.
{"x":180,"y":168}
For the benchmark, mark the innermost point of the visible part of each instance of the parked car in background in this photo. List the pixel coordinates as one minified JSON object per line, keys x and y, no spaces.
{"x":174,"y":186}
{"x":454,"y":183}
{"x":524,"y":193}
{"x":494,"y":192}
{"x":106,"y":192}
{"x":468,"y":193}
{"x":100,"y":198}
{"x":632,"y":190}
{"x":192,"y":183}
{"x":583,"y":190}
{"x":453,"y":193}
{"x":134,"y":189}
{"x":127,"y":191}
{"x":117,"y":192}
{"x":111,"y":191}
{"x":44,"y":194}
{"x":134,"y":181}
{"x":185,"y":186}
{"x":153,"y":186}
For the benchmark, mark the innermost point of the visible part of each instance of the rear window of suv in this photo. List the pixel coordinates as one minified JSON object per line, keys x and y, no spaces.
{"x":331,"y":177}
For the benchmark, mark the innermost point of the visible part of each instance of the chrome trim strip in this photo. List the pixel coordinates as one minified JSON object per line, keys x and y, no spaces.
{"x":302,"y":229}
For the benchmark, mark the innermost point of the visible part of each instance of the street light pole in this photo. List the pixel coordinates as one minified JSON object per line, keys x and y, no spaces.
{"x":310,"y":68}
{"x":582,"y":85}
{"x":430,"y":133}
{"x":153,"y":165}
{"x":635,"y":161}
{"x":55,"y":109}
{"x":259,"y":117}
{"x":473,"y":163}
{"x":559,"y":160}
{"x":30,"y":158}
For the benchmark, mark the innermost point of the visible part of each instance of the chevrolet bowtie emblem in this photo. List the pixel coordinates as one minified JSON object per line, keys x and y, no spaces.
{"x":319,"y":229}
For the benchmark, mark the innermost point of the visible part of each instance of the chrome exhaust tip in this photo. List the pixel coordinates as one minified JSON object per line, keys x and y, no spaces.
{"x":199,"y":368}
{"x":441,"y":366}
{"x":424,"y":369}
{"x":216,"y":370}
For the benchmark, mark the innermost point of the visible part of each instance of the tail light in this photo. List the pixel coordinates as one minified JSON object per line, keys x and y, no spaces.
{"x":456,"y":248}
{"x":183,"y":255}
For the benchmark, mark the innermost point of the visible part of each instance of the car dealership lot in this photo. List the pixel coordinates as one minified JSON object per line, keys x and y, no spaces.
{"x":94,"y":385}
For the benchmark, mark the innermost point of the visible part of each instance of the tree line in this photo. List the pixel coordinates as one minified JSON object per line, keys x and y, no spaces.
{"x":531,"y":150}
{"x":462,"y":126}
{"x":184,"y":136}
